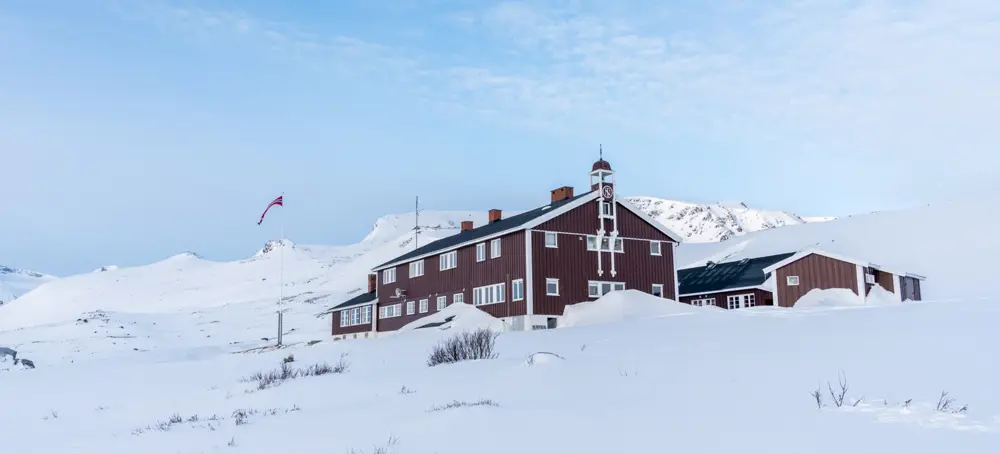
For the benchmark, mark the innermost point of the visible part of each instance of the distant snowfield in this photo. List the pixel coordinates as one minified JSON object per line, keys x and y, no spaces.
{"x":700,"y":380}
{"x":16,"y":282}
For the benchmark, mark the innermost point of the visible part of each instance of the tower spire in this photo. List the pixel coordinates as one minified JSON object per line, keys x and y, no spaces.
{"x":600,"y":151}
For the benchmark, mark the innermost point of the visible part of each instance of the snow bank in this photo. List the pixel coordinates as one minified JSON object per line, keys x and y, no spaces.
{"x":839,"y":297}
{"x":458,"y":317}
{"x":620,"y":306}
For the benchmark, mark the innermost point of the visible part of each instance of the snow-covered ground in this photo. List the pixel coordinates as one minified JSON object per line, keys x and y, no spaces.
{"x":688,"y":380}
{"x":16,"y":282}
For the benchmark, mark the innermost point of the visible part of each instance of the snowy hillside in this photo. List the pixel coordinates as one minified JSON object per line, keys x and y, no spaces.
{"x":15,"y":282}
{"x":716,"y":222}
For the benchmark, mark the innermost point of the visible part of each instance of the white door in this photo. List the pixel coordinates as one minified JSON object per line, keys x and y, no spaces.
{"x":742,"y":301}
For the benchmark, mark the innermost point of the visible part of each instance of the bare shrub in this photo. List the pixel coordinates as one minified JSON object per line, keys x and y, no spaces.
{"x":460,"y":404}
{"x":384,"y":449}
{"x":479,"y":344}
{"x":945,"y":402}
{"x":838,"y":396}
{"x":175,"y":418}
{"x":289,"y":359}
{"x":232,"y":442}
{"x":819,"y":398}
{"x":406,"y":390}
{"x":342,"y":364}
{"x":193,"y":418}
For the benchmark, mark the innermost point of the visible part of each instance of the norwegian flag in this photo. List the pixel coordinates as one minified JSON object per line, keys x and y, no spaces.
{"x":279,"y":201}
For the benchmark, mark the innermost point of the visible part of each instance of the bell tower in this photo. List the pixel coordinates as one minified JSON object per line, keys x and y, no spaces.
{"x":602,"y":180}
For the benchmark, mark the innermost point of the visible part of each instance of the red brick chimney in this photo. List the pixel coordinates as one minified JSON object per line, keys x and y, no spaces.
{"x":466,"y":225}
{"x":563,"y":193}
{"x":371,"y":283}
{"x":495,"y":215}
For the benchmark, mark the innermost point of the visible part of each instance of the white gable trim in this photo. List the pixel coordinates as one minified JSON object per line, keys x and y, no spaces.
{"x":805,"y":253}
{"x":528,"y":225}
{"x":649,"y":220}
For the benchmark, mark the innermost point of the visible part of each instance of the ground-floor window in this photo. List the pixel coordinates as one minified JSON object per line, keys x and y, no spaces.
{"x":394,"y":310}
{"x":488,"y":294}
{"x":411,"y":307}
{"x":703,"y":302}
{"x":424,"y":306}
{"x":442,"y":302}
{"x":741,"y":301}
{"x":356,"y":316}
{"x":658,"y":290}
{"x":458,"y":298}
{"x":597,"y":289}
{"x":517,"y":290}
{"x":552,"y":287}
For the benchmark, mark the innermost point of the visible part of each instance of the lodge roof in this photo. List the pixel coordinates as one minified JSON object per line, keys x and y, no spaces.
{"x":719,"y":277}
{"x":483,"y":231}
{"x":366,"y":297}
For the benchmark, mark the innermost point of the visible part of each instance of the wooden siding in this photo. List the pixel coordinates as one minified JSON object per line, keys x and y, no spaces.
{"x":575,"y":266}
{"x":761,"y":297}
{"x":814,"y":272}
{"x":468,"y":275}
{"x":338,"y":330}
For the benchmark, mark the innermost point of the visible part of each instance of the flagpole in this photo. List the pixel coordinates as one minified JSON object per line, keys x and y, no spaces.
{"x":281,"y":273}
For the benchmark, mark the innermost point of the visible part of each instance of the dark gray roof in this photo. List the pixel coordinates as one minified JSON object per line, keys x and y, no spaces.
{"x":436,"y":324}
{"x":727,"y":275}
{"x":360,"y":299}
{"x":484,"y":230}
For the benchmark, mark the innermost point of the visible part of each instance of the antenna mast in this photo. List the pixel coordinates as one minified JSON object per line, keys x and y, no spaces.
{"x":416,"y":223}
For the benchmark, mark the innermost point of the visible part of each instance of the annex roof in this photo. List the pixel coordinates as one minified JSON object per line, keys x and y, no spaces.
{"x":364,"y":298}
{"x":718,"y":277}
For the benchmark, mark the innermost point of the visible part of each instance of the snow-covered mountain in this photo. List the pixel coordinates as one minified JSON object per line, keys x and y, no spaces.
{"x":716,"y":222}
{"x":16,"y":282}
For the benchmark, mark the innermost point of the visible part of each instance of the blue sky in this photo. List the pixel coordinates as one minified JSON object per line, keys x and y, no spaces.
{"x":134,"y":130}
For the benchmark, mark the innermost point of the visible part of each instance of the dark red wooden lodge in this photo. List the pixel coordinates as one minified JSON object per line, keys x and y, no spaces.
{"x":524,"y":269}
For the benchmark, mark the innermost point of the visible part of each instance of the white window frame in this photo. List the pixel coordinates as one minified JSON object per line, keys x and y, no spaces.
{"x":480,"y":252}
{"x":424,"y":306}
{"x":458,"y":298}
{"x":448,"y":260}
{"x":416,"y":268}
{"x":489,"y":294}
{"x":495,"y":248}
{"x":739,"y":300}
{"x":517,"y":290}
{"x":619,"y":244}
{"x":792,"y":280}
{"x":599,"y":286}
{"x":344,"y":316}
{"x":390,"y":311}
{"x":442,"y":302}
{"x":703,"y":302}
{"x":610,"y":210}
{"x":411,"y":307}
{"x":389,"y":275}
{"x":659,"y":248}
{"x":549,"y":281}
{"x":555,"y":240}
{"x":658,"y":286}
{"x":366,"y":315}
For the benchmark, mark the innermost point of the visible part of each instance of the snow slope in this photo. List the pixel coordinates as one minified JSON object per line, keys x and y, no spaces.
{"x":715,"y":222}
{"x":705,"y":381}
{"x":15,"y":282}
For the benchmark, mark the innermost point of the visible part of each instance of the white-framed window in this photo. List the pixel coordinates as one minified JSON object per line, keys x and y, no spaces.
{"x":458,"y":298}
{"x":389,"y":276}
{"x":605,"y":244}
{"x":552,"y":287}
{"x":703,"y":302}
{"x":411,"y":307}
{"x":488,"y":294}
{"x":442,"y":302}
{"x":597,"y":289}
{"x":424,"y":306}
{"x":658,"y":290}
{"x":480,"y":252}
{"x":366,"y":315}
{"x":356,"y":316}
{"x":394,"y":310}
{"x":449,"y":260}
{"x":551,"y":239}
{"x":517,"y":290}
{"x":607,"y":210}
{"x":654,"y":248}
{"x":417,"y":268}
{"x":741,"y":301}
{"x":495,"y":248}
{"x":792,"y":280}
{"x":345,"y":316}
